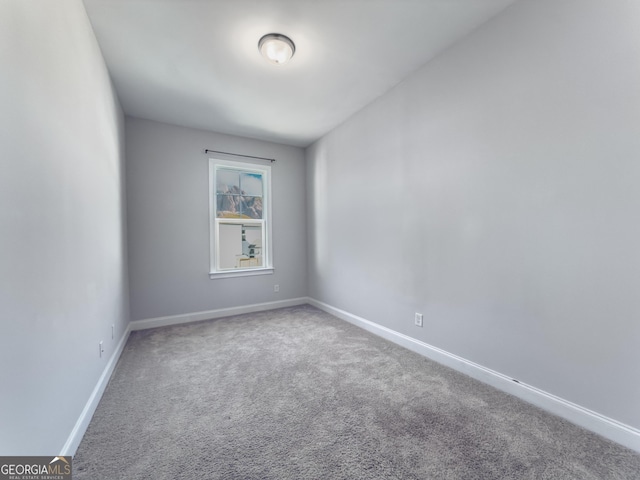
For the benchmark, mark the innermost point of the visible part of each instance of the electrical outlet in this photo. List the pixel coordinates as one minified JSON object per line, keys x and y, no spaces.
{"x":276,"y":288}
{"x":113,"y":332}
{"x":101,"y":348}
{"x":418,"y":320}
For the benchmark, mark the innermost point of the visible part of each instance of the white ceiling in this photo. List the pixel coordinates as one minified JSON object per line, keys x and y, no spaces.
{"x":196,"y":63}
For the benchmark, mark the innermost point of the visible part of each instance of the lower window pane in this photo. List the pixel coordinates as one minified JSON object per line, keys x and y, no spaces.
{"x":240,"y":246}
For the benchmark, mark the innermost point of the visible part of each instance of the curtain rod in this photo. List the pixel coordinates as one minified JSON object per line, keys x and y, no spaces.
{"x":206,"y":150}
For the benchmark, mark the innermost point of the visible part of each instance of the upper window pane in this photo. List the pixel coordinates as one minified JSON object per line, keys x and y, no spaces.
{"x":251,"y":207}
{"x":228,"y":181}
{"x":228,"y":206}
{"x":251,"y":184}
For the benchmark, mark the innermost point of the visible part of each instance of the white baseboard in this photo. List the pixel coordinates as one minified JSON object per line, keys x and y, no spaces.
{"x":210,"y":314}
{"x":79,"y":429}
{"x":607,"y":427}
{"x":593,"y":421}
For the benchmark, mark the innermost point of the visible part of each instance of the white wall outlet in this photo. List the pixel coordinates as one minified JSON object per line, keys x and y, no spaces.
{"x":418,"y":320}
{"x":101,"y":348}
{"x":113,"y":331}
{"x":276,"y":288}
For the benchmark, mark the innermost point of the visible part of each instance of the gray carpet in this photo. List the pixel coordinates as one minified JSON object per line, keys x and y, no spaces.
{"x":298,"y":394}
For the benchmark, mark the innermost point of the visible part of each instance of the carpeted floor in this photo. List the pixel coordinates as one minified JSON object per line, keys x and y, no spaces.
{"x":298,"y":394}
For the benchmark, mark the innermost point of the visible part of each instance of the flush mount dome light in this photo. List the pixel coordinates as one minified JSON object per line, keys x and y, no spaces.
{"x":276,"y":48}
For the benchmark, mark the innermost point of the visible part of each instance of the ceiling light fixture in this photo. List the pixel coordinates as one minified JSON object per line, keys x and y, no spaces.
{"x":276,"y":48}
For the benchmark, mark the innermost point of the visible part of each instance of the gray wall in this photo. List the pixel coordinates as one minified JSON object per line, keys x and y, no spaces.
{"x":62,"y":253}
{"x":496,"y":191}
{"x":168,"y":215}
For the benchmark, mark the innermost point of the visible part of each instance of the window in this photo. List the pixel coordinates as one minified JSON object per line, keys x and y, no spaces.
{"x":239,"y":219}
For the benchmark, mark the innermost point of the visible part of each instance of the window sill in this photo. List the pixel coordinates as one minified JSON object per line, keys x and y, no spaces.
{"x":241,"y":273}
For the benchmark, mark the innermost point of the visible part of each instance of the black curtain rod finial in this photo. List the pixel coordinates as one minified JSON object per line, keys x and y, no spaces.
{"x":206,"y":150}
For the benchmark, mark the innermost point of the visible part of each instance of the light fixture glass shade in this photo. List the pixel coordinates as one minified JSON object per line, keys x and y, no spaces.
{"x":276,"y":48}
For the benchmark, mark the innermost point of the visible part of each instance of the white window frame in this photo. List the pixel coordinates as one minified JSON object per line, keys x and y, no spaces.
{"x":214,"y":222}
